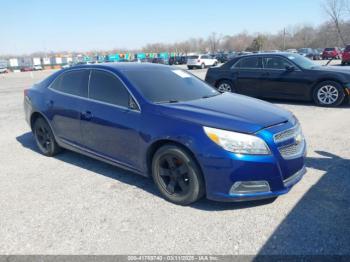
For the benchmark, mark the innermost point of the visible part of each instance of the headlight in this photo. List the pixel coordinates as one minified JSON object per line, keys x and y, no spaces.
{"x":237,"y":142}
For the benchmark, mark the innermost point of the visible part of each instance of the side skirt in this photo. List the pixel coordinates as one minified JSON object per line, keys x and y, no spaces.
{"x":72,"y":147}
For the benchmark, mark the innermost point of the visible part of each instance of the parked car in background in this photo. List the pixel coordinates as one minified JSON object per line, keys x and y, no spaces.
{"x":37,"y":67}
{"x":26,"y":69}
{"x":231,"y":55}
{"x":331,"y":53}
{"x":3,"y":70}
{"x":178,"y":60}
{"x":165,"y":123}
{"x":160,"y":60}
{"x":292,"y":51}
{"x":309,"y":53}
{"x":201,"y":61}
{"x":221,"y":57}
{"x":346,"y":56}
{"x":282,"y":76}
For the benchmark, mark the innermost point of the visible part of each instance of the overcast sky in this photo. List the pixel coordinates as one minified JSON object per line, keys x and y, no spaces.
{"x":80,"y":25}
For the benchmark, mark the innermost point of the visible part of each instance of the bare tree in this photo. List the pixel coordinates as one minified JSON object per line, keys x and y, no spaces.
{"x":214,"y":42}
{"x":335,"y":10}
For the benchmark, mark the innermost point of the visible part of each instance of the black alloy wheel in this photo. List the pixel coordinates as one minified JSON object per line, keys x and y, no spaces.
{"x":44,"y":138}
{"x":177,"y":176}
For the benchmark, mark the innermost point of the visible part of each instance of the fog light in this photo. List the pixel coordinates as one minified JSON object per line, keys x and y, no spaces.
{"x":247,"y":187}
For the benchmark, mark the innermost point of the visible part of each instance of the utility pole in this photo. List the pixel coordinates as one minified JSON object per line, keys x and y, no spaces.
{"x":284,"y":39}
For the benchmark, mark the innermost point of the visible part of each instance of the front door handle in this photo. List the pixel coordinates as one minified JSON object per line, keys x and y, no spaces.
{"x":49,"y":103}
{"x":86,"y":115}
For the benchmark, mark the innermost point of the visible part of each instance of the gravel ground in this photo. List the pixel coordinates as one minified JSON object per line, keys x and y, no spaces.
{"x":72,"y":204}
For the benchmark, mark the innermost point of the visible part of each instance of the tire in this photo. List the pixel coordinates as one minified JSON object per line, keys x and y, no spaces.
{"x":44,"y":138}
{"x":177,"y":175}
{"x":328,"y":93}
{"x":190,"y":67}
{"x":215,"y":64}
{"x":225,"y":86}
{"x":202,"y":66}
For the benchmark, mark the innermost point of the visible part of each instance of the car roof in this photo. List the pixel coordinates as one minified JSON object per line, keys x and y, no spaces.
{"x":123,"y":66}
{"x":267,"y":53}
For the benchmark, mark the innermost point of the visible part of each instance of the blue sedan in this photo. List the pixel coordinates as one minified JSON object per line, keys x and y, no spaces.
{"x":163,"y":122}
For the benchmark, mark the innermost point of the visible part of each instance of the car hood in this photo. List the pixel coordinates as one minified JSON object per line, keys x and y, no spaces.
{"x":337,"y":69}
{"x":230,"y":112}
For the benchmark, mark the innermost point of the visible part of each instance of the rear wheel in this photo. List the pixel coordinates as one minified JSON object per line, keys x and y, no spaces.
{"x":177,"y":175}
{"x":328,"y":93}
{"x":44,"y":138}
{"x":225,"y":86}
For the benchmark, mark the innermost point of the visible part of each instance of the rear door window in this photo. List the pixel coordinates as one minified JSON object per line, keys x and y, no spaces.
{"x":276,"y":63}
{"x":73,"y":82}
{"x":106,"y":87}
{"x":249,"y":63}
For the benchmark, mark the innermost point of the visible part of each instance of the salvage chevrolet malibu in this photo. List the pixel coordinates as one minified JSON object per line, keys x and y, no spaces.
{"x":163,"y":122}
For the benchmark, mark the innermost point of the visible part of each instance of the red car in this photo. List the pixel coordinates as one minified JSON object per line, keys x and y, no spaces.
{"x":331,"y":53}
{"x":346,"y":56}
{"x":26,"y":69}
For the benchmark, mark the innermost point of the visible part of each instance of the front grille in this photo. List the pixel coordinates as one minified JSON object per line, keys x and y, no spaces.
{"x":287,"y":134}
{"x":292,"y":151}
{"x":297,"y":142}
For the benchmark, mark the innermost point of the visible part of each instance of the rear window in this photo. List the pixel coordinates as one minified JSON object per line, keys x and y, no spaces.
{"x":193,"y":57}
{"x":329,"y":49}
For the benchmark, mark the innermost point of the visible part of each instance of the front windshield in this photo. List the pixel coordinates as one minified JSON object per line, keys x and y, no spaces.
{"x":301,"y":61}
{"x":169,"y":85}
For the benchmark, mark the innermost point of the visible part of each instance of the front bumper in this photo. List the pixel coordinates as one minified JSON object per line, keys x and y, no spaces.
{"x":235,"y":177}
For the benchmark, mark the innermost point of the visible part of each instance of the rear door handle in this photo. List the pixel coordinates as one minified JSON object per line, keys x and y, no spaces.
{"x":86,"y":115}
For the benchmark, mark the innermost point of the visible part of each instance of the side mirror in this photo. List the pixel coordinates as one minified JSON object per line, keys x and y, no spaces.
{"x":290,"y":68}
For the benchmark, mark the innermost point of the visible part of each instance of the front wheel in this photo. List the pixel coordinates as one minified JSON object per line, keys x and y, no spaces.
{"x":177,"y":175}
{"x":190,"y":67}
{"x":328,"y":93}
{"x":44,"y":138}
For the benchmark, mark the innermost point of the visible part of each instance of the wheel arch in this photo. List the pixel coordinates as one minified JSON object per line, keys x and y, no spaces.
{"x":162,"y":142}
{"x":34,"y":116}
